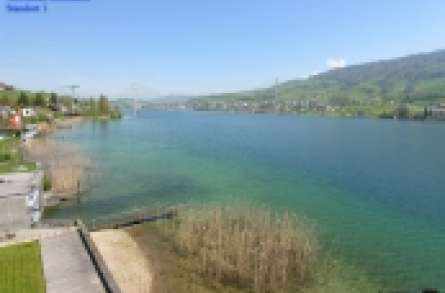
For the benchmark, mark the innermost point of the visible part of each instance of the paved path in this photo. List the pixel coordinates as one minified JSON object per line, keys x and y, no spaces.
{"x":14,"y":213}
{"x":66,"y":264}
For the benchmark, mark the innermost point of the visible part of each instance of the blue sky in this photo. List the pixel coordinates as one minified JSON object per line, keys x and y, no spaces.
{"x":148,"y":47}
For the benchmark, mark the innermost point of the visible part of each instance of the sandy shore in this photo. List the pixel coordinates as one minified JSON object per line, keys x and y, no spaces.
{"x":125,"y":260}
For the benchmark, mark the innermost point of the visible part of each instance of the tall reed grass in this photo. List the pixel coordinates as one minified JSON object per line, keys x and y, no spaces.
{"x":65,"y":165}
{"x":247,"y":247}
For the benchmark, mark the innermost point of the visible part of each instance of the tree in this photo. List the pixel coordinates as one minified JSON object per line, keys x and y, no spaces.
{"x":103,"y":105}
{"x":23,"y":100}
{"x":93,"y":110}
{"x":340,"y":100}
{"x":39,"y":100}
{"x":425,"y":112}
{"x":4,"y":100}
{"x":53,"y":100}
{"x":68,"y":103}
{"x":402,"y":111}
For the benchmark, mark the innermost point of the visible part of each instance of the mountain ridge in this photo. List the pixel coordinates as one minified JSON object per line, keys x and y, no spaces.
{"x":412,"y":78}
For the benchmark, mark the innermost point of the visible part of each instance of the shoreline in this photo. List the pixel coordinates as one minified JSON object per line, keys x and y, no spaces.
{"x":314,"y":115}
{"x":63,"y":163}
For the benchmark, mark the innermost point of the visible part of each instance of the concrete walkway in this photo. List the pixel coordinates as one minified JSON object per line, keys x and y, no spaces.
{"x":14,"y":213}
{"x":66,"y":264}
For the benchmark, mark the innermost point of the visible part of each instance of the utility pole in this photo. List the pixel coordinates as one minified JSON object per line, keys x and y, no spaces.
{"x":73,"y":89}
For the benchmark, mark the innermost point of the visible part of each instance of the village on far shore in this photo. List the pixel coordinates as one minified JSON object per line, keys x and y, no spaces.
{"x":310,"y":106}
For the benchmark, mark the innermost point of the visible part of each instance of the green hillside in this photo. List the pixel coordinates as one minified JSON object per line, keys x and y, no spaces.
{"x":416,"y":79}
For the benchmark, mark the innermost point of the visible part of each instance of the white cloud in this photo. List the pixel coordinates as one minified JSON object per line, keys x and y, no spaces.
{"x":335,"y":63}
{"x":314,"y":73}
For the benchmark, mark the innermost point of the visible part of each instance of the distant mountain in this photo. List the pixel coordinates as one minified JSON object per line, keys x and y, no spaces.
{"x":416,"y":78}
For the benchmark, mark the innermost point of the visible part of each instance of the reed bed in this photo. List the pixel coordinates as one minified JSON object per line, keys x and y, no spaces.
{"x":246,"y":247}
{"x":64,"y":164}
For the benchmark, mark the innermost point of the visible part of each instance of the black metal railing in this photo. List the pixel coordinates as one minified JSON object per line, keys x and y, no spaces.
{"x":99,"y":263}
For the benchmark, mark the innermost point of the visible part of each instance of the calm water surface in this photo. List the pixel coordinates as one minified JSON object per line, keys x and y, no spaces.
{"x":374,"y":188}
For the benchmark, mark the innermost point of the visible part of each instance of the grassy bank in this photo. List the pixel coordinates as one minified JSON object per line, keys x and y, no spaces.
{"x":242,"y":249}
{"x":21,"y":268}
{"x":11,"y":159}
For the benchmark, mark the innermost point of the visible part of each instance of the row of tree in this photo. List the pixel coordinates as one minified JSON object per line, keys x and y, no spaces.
{"x":40,"y":100}
{"x":99,"y":107}
{"x":65,"y":104}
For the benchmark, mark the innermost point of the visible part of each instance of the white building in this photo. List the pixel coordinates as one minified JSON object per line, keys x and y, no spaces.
{"x":28,"y":112}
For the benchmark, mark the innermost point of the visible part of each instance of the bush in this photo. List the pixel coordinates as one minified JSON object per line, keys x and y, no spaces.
{"x":42,"y":117}
{"x":5,"y":157}
{"x":386,"y":115}
{"x":47,"y":184}
{"x":115,"y":114}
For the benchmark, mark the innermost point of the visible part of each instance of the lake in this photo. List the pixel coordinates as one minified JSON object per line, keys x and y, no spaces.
{"x":375,"y":189}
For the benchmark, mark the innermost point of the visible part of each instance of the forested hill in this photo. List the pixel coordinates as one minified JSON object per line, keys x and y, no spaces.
{"x":415,"y":78}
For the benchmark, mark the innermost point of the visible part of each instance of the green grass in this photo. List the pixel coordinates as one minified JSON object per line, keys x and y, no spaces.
{"x":11,"y":157}
{"x":9,"y":167}
{"x":21,"y":268}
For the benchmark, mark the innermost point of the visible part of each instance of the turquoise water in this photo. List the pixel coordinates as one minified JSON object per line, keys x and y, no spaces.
{"x":374,"y":188}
